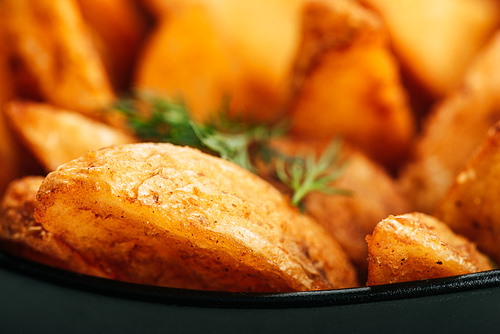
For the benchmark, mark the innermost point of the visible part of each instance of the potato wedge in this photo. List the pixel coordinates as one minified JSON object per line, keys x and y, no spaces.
{"x":167,"y":215}
{"x":118,"y":35}
{"x":416,"y":246}
{"x":50,"y":43}
{"x":436,"y":40}
{"x":471,"y":206}
{"x":206,"y":51}
{"x":346,"y":82}
{"x":454,"y":129}
{"x":196,"y":67}
{"x":55,"y":136}
{"x":22,"y":236}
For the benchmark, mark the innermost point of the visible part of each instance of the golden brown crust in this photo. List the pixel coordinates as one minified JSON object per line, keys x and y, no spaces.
{"x":55,"y":136}
{"x":166,"y":215}
{"x":416,"y":246}
{"x":471,"y":207}
{"x":21,"y":235}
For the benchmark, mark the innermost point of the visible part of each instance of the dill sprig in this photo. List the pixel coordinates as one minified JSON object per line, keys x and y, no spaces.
{"x":156,"y":118}
{"x":307,"y":174}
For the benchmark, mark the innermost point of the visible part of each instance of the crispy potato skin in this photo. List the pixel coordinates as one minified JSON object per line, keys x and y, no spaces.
{"x":22,"y":236}
{"x":56,"y":136}
{"x":416,"y":246}
{"x":166,"y":215}
{"x":471,"y":207}
{"x":453,"y":131}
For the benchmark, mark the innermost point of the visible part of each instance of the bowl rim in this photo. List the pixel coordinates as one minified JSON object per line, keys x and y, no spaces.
{"x":250,"y":300}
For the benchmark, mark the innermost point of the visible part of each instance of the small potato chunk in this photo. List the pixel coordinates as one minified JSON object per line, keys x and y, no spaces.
{"x":51,"y":44}
{"x":22,"y":236}
{"x":416,"y":246}
{"x":453,"y":131}
{"x":346,"y":82}
{"x":471,"y":207}
{"x":436,"y":40}
{"x":166,"y":215}
{"x":56,"y":136}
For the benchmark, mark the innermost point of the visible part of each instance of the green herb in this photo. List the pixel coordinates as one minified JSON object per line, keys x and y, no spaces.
{"x":308,"y":174}
{"x":158,"y":119}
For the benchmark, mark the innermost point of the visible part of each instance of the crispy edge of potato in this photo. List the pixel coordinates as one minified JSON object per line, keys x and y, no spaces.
{"x":22,"y":236}
{"x":417,"y":246}
{"x":471,"y":205}
{"x":46,"y":131}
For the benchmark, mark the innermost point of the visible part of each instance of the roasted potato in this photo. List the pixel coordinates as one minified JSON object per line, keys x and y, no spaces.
{"x":454,"y":129}
{"x":50,"y":43}
{"x":346,"y":82}
{"x":56,"y":136}
{"x":471,"y":206}
{"x":166,"y":215}
{"x":118,"y":35}
{"x":21,"y":235}
{"x":196,"y":68}
{"x":436,"y":40}
{"x":224,"y":54}
{"x":416,"y":246}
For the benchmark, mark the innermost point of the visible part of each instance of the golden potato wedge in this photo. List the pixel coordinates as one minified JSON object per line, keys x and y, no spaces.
{"x":346,"y":82}
{"x":373,"y":195}
{"x":206,"y":51}
{"x":416,"y":246}
{"x":187,"y":57}
{"x":454,"y":129}
{"x":167,"y":215}
{"x":22,"y":236}
{"x":50,"y":43}
{"x":55,"y":136}
{"x":436,"y":40}
{"x":471,"y":207}
{"x":118,"y":35}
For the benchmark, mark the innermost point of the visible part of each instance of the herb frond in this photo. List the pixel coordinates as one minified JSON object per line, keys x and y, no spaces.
{"x":156,"y":118}
{"x":307,"y":174}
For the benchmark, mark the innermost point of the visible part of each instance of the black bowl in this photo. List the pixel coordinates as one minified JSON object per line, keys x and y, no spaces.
{"x":38,"y":299}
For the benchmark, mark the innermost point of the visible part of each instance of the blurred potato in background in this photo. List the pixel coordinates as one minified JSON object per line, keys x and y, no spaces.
{"x":453,"y":130}
{"x":223,"y":53}
{"x":52,"y":45}
{"x":196,"y":67}
{"x":55,"y":136}
{"x":346,"y":82}
{"x":471,"y":207}
{"x":436,"y":39}
{"x":117,"y":28}
{"x":416,"y":246}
